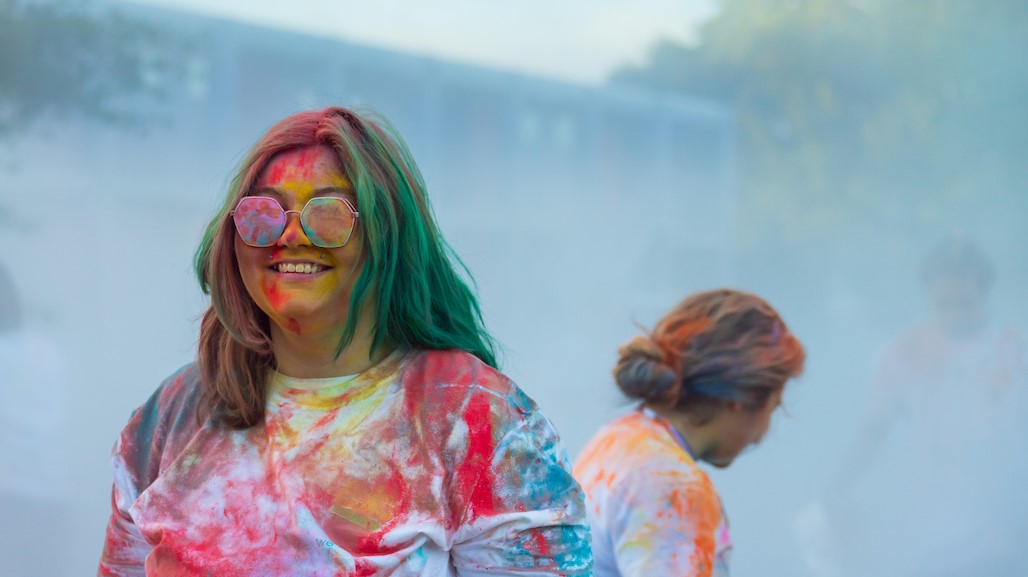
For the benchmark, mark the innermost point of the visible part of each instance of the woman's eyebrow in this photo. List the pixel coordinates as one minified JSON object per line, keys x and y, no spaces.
{"x":326,"y":190}
{"x":333,"y":190}
{"x":266,"y":191}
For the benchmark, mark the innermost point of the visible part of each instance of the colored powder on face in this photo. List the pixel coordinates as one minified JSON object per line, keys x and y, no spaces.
{"x":307,"y":162}
{"x":276,"y":298}
{"x":277,"y":172}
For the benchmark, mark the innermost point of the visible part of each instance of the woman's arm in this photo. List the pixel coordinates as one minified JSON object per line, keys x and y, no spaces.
{"x":524,"y":514}
{"x":125,"y":550}
{"x":136,"y":460}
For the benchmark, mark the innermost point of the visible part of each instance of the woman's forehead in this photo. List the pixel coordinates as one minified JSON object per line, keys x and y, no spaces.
{"x":301,"y":172}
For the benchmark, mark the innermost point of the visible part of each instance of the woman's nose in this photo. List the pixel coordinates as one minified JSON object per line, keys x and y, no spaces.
{"x":293,"y":235}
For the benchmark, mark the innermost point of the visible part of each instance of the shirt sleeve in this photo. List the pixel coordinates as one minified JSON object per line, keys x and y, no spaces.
{"x":165,"y":421}
{"x":125,"y":549}
{"x":666,"y":523}
{"x":524,"y":513}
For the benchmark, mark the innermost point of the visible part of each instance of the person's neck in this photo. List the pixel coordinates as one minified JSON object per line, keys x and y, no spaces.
{"x":700,"y":438}
{"x":313,"y":355}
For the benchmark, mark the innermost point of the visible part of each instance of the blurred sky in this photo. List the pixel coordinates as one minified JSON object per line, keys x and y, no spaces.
{"x":576,"y":40}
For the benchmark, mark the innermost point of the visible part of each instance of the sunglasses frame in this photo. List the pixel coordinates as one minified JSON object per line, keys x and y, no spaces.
{"x":299,"y":213}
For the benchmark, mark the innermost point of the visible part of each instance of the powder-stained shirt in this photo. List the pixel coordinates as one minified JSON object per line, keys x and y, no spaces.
{"x":652,"y":510}
{"x":430,"y":463}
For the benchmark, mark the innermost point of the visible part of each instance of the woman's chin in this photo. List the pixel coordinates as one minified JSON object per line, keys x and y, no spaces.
{"x":720,"y":462}
{"x":304,"y":320}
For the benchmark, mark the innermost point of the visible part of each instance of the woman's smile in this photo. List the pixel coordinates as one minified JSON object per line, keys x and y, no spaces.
{"x":298,"y":268}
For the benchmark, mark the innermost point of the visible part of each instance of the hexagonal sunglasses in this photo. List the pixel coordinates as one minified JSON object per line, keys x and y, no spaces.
{"x":328,"y":221}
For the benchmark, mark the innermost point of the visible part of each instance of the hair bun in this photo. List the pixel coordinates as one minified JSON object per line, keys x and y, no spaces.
{"x":642,"y":372}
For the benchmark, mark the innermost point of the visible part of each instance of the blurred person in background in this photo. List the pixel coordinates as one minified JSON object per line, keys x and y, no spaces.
{"x":344,"y":416}
{"x":951,"y":391}
{"x":34,"y":499}
{"x":709,"y":377}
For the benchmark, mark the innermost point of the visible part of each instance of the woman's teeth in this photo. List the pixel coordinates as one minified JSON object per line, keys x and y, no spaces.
{"x":305,"y":268}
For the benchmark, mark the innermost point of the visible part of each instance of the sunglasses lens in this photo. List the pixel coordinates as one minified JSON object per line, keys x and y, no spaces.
{"x":327,"y":221}
{"x":259,"y":220}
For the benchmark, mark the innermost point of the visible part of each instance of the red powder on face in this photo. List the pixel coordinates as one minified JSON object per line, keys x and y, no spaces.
{"x":477,"y":465}
{"x":308,"y":158}
{"x":293,"y":326}
{"x":276,"y":298}
{"x":276,"y":173}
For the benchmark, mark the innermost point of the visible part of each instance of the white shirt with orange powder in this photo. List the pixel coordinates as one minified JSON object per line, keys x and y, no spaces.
{"x":653,"y":511}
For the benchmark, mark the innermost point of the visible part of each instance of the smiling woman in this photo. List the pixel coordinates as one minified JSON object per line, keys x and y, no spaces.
{"x":344,"y":415}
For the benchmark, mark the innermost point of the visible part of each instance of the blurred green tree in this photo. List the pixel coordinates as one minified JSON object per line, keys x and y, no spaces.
{"x":61,"y":59}
{"x":860,"y":122}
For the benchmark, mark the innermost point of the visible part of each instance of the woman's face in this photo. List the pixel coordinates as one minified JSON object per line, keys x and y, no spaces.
{"x":302,"y":302}
{"x":739,"y":428}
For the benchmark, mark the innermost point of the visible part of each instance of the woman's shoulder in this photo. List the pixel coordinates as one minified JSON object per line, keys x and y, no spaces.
{"x":631,"y":434}
{"x":633,"y":451}
{"x":171,"y":406}
{"x":456,"y":368}
{"x":455,"y":376}
{"x":160,"y":426}
{"x":179,"y":391}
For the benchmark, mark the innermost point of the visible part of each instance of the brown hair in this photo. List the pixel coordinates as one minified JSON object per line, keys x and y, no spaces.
{"x":714,"y":347}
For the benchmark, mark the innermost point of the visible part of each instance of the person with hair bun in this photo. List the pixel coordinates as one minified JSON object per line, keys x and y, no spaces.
{"x":344,"y":416}
{"x":709,"y":376}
